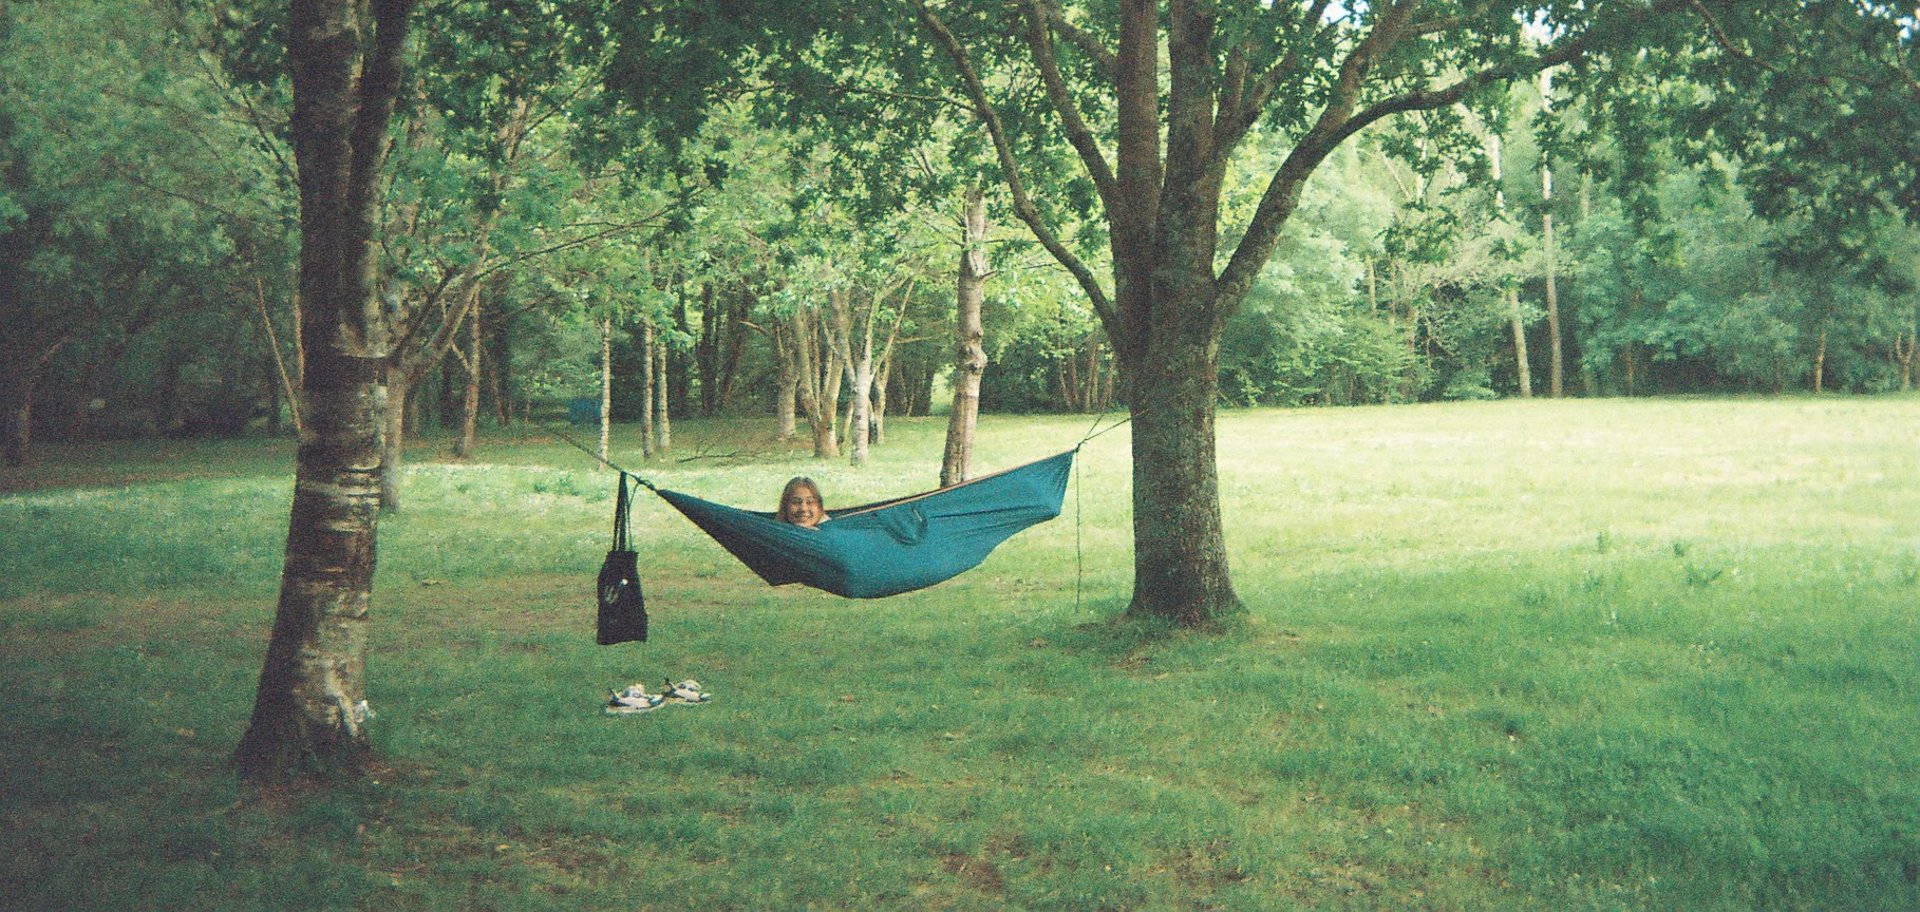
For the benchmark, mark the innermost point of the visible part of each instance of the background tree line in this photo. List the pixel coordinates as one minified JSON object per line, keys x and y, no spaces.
{"x":147,"y":229}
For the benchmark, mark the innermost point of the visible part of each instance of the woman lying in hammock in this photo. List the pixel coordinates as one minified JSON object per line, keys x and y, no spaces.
{"x":801,"y":504}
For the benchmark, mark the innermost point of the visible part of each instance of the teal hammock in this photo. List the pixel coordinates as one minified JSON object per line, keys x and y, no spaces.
{"x":893,"y":546}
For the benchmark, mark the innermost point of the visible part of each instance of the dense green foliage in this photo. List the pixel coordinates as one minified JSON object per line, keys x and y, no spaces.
{"x":1543,"y":656}
{"x":146,"y":224}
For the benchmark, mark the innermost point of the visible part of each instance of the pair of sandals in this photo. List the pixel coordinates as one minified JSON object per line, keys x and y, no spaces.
{"x":635,"y":699}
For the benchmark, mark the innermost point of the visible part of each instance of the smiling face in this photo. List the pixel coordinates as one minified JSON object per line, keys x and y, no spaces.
{"x":800,"y":503}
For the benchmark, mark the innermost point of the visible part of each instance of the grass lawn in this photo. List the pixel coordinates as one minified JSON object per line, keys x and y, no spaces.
{"x":1521,"y":655}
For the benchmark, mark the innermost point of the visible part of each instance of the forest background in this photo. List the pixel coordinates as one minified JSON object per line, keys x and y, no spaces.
{"x":535,"y":251}
{"x":579,"y":211}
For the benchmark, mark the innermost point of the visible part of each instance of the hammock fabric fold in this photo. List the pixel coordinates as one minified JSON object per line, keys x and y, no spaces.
{"x":893,"y":546}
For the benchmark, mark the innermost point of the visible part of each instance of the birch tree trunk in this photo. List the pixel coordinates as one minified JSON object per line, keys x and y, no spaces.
{"x":882,"y":375}
{"x":606,"y":385}
{"x":969,"y":357}
{"x":820,"y":374}
{"x":470,"y":407}
{"x":393,"y":437}
{"x":662,"y":422}
{"x":646,"y":390}
{"x":860,"y":403}
{"x":310,"y":712}
{"x":1516,"y":318}
{"x":1557,"y":371}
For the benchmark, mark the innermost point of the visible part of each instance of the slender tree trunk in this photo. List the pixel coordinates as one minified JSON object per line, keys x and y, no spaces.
{"x":662,"y":420}
{"x":647,"y":393}
{"x":20,"y":438}
{"x":1092,"y":396}
{"x":707,"y":354}
{"x":786,"y":425}
{"x":309,"y":712}
{"x":969,"y":356}
{"x":883,"y":375}
{"x":1820,"y":363}
{"x":1522,"y":369}
{"x":821,"y":374}
{"x":1905,"y":346}
{"x":606,"y":385}
{"x":1556,"y":383}
{"x":287,"y":382}
{"x":837,"y":362}
{"x":733,"y":331}
{"x":275,"y":400}
{"x":860,"y":403}
{"x":1516,"y":318}
{"x":470,"y":407}
{"x":393,"y":439}
{"x":499,"y":371}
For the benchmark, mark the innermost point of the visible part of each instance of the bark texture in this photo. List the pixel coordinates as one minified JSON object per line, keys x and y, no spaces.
{"x":969,"y":357}
{"x":310,"y":712}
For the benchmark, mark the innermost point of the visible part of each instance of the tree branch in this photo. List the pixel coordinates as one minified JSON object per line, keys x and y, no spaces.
{"x":1725,"y":41}
{"x":1041,"y":44}
{"x":1023,"y":205}
{"x":1057,"y":21}
{"x":1283,"y":190}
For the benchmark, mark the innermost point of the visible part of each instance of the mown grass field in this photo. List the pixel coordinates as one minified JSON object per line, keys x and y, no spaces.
{"x":1519,"y":655}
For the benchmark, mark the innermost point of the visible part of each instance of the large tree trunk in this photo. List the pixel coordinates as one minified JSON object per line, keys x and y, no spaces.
{"x":309,"y":710}
{"x":1180,"y":552}
{"x":969,"y":357}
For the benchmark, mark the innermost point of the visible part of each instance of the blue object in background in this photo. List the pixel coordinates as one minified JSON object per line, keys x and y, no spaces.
{"x":583,"y":411}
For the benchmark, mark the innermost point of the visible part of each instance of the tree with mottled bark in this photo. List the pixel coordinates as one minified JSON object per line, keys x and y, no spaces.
{"x":969,"y":357}
{"x":310,"y":712}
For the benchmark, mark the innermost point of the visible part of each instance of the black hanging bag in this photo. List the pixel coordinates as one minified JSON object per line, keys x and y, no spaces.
{"x":623,"y":612}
